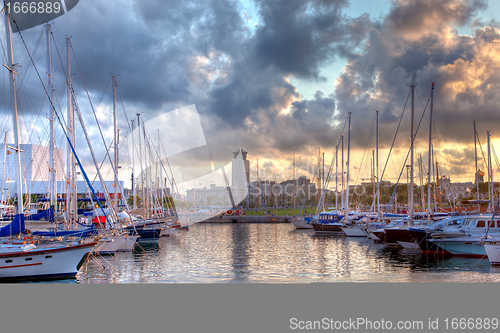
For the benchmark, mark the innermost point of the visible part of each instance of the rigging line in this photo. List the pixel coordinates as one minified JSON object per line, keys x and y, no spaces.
{"x":406,"y":159}
{"x":394,"y":140}
{"x":104,"y":159}
{"x":495,"y":156}
{"x":364,"y":153}
{"x":482,"y":152}
{"x":63,"y":128}
{"x":105,"y":89}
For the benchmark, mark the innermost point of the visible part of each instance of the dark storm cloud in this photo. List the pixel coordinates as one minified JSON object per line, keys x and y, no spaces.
{"x":170,"y":54}
{"x":294,"y":38}
{"x":411,"y":45}
{"x":298,"y":36}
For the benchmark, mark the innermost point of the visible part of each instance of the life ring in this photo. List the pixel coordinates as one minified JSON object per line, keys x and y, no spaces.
{"x":229,"y":212}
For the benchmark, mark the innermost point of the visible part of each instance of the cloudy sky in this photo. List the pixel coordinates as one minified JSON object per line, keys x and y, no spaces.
{"x":281,"y":75}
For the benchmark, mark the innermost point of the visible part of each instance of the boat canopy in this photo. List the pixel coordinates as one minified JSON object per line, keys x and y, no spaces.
{"x":15,"y":227}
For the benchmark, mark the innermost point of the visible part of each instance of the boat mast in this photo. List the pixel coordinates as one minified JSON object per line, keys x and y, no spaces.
{"x":410,"y":204}
{"x":490,"y":174}
{"x":3,"y":169}
{"x":115,"y":192}
{"x":323,"y":186}
{"x":376,"y":163}
{"x":372,"y":179}
{"x":133,"y":168}
{"x":15,"y":118}
{"x":342,"y":176}
{"x":140,"y":156}
{"x":336,"y":179}
{"x":476,"y":179}
{"x":71,"y":172}
{"x":294,"y":178}
{"x":52,"y":171}
{"x":429,"y":162}
{"x":347,"y":165}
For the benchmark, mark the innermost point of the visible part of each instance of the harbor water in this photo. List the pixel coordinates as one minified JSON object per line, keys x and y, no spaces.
{"x":275,"y":253}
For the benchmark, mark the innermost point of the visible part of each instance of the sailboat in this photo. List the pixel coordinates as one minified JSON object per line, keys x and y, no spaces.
{"x":331,"y":223}
{"x":21,"y":257}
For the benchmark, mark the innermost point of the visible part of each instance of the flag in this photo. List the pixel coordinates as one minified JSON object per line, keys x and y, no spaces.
{"x":9,"y":152}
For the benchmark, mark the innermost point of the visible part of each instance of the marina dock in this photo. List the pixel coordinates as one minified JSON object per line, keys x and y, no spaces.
{"x":248,"y":219}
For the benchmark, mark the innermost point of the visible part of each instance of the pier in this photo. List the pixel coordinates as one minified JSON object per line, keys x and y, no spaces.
{"x":248,"y":219}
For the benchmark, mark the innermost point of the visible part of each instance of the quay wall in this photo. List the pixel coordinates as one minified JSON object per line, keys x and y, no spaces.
{"x":248,"y":219}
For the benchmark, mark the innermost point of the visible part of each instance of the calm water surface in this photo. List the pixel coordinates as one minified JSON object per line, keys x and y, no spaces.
{"x":275,"y":253}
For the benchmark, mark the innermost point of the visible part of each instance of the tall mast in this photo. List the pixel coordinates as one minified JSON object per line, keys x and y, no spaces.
{"x":372,"y":178}
{"x":336,"y":178}
{"x":52,"y":171}
{"x":412,"y":153}
{"x":421,"y":176}
{"x":323,"y":186}
{"x":429,"y":162}
{"x":133,"y":169}
{"x":434,"y":177}
{"x":476,"y":179}
{"x":71,"y":172}
{"x":490,"y":174}
{"x":342,"y":176}
{"x":115,"y":195}
{"x":140,"y":157}
{"x":320,"y":178}
{"x":3,"y":168}
{"x":15,"y":118}
{"x":376,"y":162}
{"x":347,"y":165}
{"x":294,"y":177}
{"x":437,"y":184}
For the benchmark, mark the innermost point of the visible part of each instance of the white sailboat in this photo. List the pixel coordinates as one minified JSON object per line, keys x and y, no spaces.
{"x":33,"y":261}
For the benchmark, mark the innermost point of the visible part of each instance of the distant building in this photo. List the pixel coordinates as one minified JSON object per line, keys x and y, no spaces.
{"x":240,"y":173}
{"x":454,"y":190}
{"x":35,"y":169}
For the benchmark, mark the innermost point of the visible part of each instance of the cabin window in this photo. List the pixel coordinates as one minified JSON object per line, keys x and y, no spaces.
{"x":492,"y":224}
{"x":48,"y":256}
{"x":498,"y":224}
{"x":8,"y":261}
{"x":28,"y":259}
{"x":480,"y":224}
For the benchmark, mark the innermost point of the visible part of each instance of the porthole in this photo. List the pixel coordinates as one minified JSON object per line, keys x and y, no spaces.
{"x":8,"y":261}
{"x":28,"y":259}
{"x":48,"y":256}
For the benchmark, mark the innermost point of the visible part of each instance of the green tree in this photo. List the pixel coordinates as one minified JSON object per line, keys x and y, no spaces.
{"x":130,"y":201}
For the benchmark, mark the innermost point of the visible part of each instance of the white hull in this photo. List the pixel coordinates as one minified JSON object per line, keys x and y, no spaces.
{"x":115,"y":243}
{"x":301,"y":224}
{"x":43,"y":262}
{"x":355,"y":232}
{"x":493,"y":253}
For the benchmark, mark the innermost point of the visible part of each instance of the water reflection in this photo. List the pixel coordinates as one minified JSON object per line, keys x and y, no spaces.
{"x":254,"y":253}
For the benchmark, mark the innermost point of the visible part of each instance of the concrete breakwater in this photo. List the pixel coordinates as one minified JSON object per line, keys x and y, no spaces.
{"x":248,"y":219}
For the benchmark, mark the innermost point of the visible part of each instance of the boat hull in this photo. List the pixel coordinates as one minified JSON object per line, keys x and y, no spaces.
{"x":422,"y":237}
{"x":355,"y":232}
{"x":493,"y":253}
{"x":328,"y":229}
{"x":394,"y":235}
{"x":43,"y":263}
{"x":115,"y":243}
{"x":301,"y":224}
{"x":463,"y":248}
